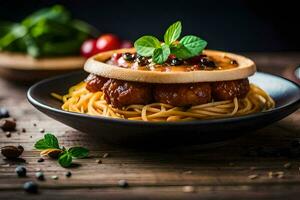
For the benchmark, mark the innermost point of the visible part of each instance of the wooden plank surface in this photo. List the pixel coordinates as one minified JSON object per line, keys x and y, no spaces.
{"x":216,"y":171}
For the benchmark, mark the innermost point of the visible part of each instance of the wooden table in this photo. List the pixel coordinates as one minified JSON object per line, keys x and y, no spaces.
{"x":221,"y":171}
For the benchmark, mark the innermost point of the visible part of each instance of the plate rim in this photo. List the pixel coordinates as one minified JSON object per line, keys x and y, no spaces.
{"x":37,"y":103}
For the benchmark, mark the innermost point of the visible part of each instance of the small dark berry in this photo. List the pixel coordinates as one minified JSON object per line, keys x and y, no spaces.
{"x":30,"y":187}
{"x":142,"y":60}
{"x":41,"y":160}
{"x":128,"y":56}
{"x":204,"y":62}
{"x":123,"y":183}
{"x":175,"y":62}
{"x":4,"y":113}
{"x":40,"y":176}
{"x":68,"y":174}
{"x":21,"y":171}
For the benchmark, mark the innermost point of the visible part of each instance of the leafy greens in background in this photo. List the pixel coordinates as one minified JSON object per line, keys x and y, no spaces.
{"x":47,"y":32}
{"x":189,"y":46}
{"x":50,"y":144}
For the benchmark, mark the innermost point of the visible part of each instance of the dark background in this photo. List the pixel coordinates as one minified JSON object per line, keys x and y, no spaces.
{"x":232,"y":25}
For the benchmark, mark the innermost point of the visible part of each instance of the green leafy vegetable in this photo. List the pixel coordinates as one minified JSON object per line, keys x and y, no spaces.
{"x":65,"y":160}
{"x":173,"y":33}
{"x":189,"y":46}
{"x":49,"y":144}
{"x":160,"y":55}
{"x":146,"y":45}
{"x":78,"y":152}
{"x":52,"y":26}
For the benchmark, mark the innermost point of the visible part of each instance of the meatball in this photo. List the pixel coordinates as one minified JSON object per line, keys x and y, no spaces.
{"x":183,"y":94}
{"x":226,"y":90}
{"x":123,"y":93}
{"x":95,"y":83}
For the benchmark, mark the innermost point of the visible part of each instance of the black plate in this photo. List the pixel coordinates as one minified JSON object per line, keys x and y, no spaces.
{"x":285,"y":93}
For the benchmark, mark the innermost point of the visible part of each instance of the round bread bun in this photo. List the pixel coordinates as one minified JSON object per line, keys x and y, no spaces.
{"x":97,"y":65}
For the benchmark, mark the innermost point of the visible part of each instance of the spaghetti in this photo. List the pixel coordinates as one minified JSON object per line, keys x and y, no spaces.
{"x":81,"y":100}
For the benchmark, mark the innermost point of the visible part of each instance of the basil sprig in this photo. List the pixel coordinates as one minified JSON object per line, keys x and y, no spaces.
{"x":50,"y":143}
{"x":189,"y":46}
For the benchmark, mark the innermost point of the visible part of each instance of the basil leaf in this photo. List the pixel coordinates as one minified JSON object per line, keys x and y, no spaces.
{"x":160,"y":55}
{"x":40,"y":144}
{"x":49,"y":142}
{"x":180,"y":51}
{"x":146,"y":45}
{"x":173,"y":32}
{"x":65,"y":160}
{"x":78,"y":152}
{"x":193,"y":44}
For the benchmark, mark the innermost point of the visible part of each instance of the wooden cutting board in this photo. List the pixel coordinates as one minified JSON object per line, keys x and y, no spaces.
{"x":21,"y":67}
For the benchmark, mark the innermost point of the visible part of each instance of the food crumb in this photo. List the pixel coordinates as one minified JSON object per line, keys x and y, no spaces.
{"x":105,"y":155}
{"x":54,"y":177}
{"x":287,"y":165}
{"x":188,"y":189}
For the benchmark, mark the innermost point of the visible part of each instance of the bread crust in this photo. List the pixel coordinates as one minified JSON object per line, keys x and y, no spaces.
{"x":97,"y":65}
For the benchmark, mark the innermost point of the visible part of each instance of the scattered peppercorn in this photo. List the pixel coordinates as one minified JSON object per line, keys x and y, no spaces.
{"x":12,"y":152}
{"x":40,"y":176}
{"x":98,"y":161}
{"x":23,"y":130}
{"x":30,"y":187}
{"x":41,"y":160}
{"x":128,"y":56}
{"x":34,"y":124}
{"x":8,"y":124}
{"x":123,"y":183}
{"x":68,"y":174}
{"x":4,"y":113}
{"x":21,"y":171}
{"x":42,"y":130}
{"x":8,"y":134}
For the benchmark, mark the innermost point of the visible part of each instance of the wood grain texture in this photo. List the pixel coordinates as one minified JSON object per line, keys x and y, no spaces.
{"x":218,"y":171}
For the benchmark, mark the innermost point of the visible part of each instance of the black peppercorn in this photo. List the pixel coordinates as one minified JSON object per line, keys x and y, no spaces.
{"x":128,"y":56}
{"x":21,"y":171}
{"x":41,"y":160}
{"x":40,"y":176}
{"x":4,"y":113}
{"x":123,"y":183}
{"x":68,"y":174}
{"x":30,"y":187}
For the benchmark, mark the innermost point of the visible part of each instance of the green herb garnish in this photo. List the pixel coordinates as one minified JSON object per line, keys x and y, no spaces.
{"x":47,"y":32}
{"x":49,"y":144}
{"x":189,"y":46}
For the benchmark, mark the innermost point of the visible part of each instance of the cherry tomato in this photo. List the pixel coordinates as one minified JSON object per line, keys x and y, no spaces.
{"x":107,"y":42}
{"x":88,"y":48}
{"x":126,"y":44}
